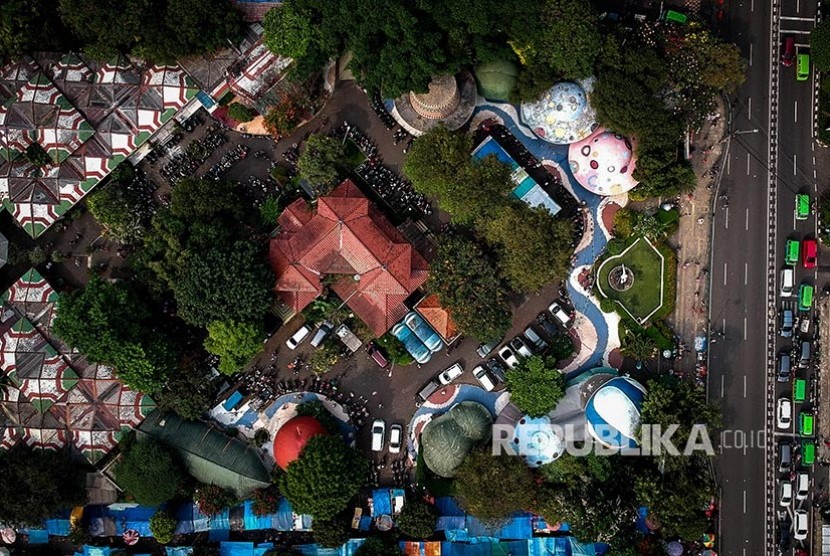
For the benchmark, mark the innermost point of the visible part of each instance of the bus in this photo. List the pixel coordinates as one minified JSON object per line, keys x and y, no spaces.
{"x":808,"y":453}
{"x":802,"y":206}
{"x":799,"y":390}
{"x":805,"y":297}
{"x":806,"y":423}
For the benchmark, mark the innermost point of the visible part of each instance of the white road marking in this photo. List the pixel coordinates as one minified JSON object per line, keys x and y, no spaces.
{"x":752,"y":5}
{"x":722,"y":382}
{"x":795,"y":114}
{"x":747,"y":164}
{"x":744,"y":501}
{"x":744,"y":386}
{"x":795,"y":170}
{"x":726,"y":223}
{"x":797,"y":5}
{"x":746,"y":223}
{"x":724,"y":274}
{"x":723,"y":327}
{"x":793,"y":18}
{"x":744,"y":340}
{"x":750,"y":54}
{"x":746,"y":274}
{"x":729,"y":165}
{"x":749,"y":108}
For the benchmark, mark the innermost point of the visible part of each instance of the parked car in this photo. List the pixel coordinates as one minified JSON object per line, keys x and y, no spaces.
{"x":481,"y":375}
{"x":395,"y":439}
{"x":787,"y":323}
{"x":547,"y":326}
{"x":427,"y":390}
{"x":788,"y":51}
{"x":520,"y":347}
{"x":787,"y":282}
{"x":378,"y":434}
{"x":321,"y":333}
{"x":785,"y":457}
{"x":298,"y":337}
{"x":784,"y":367}
{"x":785,"y":493}
{"x":809,"y":253}
{"x":559,"y":313}
{"x":800,"y":525}
{"x":496,"y":369}
{"x":535,"y":339}
{"x":376,"y":355}
{"x":802,"y":485}
{"x":508,"y":357}
{"x":451,"y":373}
{"x":784,"y":413}
{"x":484,"y":349}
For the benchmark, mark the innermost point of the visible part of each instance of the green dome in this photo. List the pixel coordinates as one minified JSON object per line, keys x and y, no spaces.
{"x":446,"y":440}
{"x":496,"y":79}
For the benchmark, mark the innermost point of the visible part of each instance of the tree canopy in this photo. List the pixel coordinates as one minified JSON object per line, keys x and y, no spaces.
{"x":377,"y":547}
{"x":319,"y":161}
{"x":536,"y":385}
{"x":418,"y":519}
{"x":111,"y":324}
{"x":326,"y":476}
{"x":234,"y":342}
{"x":28,"y":25}
{"x":820,"y":46}
{"x":148,"y":472}
{"x":163,"y":526}
{"x":36,"y":484}
{"x":189,"y":392}
{"x":123,"y":205}
{"x":467,"y":285}
{"x":489,"y":486}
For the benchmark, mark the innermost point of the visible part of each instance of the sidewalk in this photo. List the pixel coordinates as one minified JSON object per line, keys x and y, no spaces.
{"x":690,"y":314}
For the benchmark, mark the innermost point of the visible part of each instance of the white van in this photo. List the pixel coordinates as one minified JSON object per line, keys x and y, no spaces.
{"x":298,"y":337}
{"x":787,"y":282}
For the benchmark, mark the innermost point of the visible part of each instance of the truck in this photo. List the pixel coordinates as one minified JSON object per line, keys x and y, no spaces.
{"x":348,"y":338}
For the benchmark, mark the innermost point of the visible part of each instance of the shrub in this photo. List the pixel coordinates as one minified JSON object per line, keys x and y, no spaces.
{"x":212,"y":499}
{"x":149,"y":473}
{"x":395,"y":350}
{"x":332,"y":533}
{"x":163,"y":526}
{"x":616,"y":246}
{"x":417,"y":520}
{"x":607,"y":305}
{"x":261,"y":436}
{"x":241,"y":113}
{"x":265,"y":500}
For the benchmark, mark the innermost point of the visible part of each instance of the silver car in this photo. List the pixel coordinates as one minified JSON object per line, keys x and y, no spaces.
{"x":520,"y":347}
{"x":508,"y":357}
{"x":483,"y":377}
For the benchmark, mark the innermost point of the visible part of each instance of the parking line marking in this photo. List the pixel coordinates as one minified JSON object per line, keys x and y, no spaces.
{"x":724,"y":274}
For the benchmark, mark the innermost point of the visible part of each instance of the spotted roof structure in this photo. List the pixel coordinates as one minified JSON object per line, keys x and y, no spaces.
{"x":347,"y":236}
{"x":56,"y":397}
{"x":87,"y":117}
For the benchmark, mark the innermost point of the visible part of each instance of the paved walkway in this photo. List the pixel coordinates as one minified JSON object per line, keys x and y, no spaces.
{"x":690,"y":317}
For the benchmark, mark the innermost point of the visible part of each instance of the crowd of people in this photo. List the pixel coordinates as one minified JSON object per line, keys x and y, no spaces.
{"x":185,"y":163}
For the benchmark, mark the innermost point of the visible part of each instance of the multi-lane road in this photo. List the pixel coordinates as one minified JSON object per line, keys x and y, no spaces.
{"x":770,"y":157}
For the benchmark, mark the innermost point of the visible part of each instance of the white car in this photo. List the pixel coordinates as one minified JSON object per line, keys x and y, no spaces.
{"x":520,"y":347}
{"x":802,"y":486}
{"x":559,"y":313}
{"x":378,"y":434}
{"x":483,"y":377}
{"x":508,"y":357}
{"x":395,"y":439}
{"x":784,"y":413}
{"x":801,"y":525}
{"x":298,"y":337}
{"x":785,"y":493}
{"x":450,"y":374}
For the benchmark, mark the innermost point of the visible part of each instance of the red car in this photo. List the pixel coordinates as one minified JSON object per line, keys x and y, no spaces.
{"x":809,"y":250}
{"x":788,"y":53}
{"x":376,"y":355}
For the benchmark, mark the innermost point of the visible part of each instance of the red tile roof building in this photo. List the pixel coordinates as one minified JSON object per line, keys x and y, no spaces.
{"x":346,"y":236}
{"x":438,"y":318}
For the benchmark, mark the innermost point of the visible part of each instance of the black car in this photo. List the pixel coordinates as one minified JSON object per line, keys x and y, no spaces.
{"x":496,"y":369}
{"x":547,"y":325}
{"x":784,"y":533}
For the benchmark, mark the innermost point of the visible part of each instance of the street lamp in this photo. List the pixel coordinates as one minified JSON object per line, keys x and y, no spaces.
{"x":736,"y":133}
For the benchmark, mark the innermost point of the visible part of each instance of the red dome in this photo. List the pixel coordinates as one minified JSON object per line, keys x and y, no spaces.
{"x":292,"y":438}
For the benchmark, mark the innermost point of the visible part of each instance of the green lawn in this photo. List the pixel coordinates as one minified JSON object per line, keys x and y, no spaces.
{"x":644,"y":296}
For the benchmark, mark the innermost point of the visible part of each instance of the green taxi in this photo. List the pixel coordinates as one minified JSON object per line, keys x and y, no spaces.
{"x":791,"y":252}
{"x":805,"y":297}
{"x":802,"y":206}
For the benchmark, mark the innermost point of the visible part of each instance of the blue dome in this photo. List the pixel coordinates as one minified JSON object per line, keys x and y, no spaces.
{"x":613,"y":412}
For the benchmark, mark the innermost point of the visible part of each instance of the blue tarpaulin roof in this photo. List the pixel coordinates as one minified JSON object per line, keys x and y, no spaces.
{"x":381,"y":502}
{"x":540,"y":546}
{"x":94,"y":551}
{"x":244,"y":548}
{"x":178,"y":550}
{"x":137,"y":517}
{"x":191,"y":520}
{"x":38,"y":536}
{"x":347,"y":549}
{"x":232,"y":400}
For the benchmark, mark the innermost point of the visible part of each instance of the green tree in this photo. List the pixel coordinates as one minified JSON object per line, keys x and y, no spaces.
{"x":163,"y":526}
{"x":332,"y":533}
{"x":111,"y":324}
{"x":189,"y":392}
{"x":467,"y":285}
{"x":820,"y":46}
{"x":326,"y":476}
{"x":107,"y":27}
{"x":122,"y":207}
{"x":149,"y":473}
{"x":319,"y":162}
{"x":377,"y":547}
{"x":303,"y":30}
{"x":192,"y":27}
{"x":489,"y":486}
{"x":418,"y":519}
{"x":638,"y":345}
{"x":37,"y":484}
{"x":535,"y":385}
{"x":234,"y":342}
{"x":212,"y":499}
{"x":240,"y":112}
{"x":220,"y":283}
{"x":569,"y":469}
{"x":561,"y":346}
{"x":560,"y":36}
{"x":28,"y":25}
{"x":526,"y":235}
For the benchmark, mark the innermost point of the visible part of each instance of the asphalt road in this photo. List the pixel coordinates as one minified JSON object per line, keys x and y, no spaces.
{"x":741,"y":375}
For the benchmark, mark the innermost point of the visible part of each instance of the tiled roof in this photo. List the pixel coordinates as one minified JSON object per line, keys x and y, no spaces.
{"x":58,"y":397}
{"x":437,"y":317}
{"x":346,"y":236}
